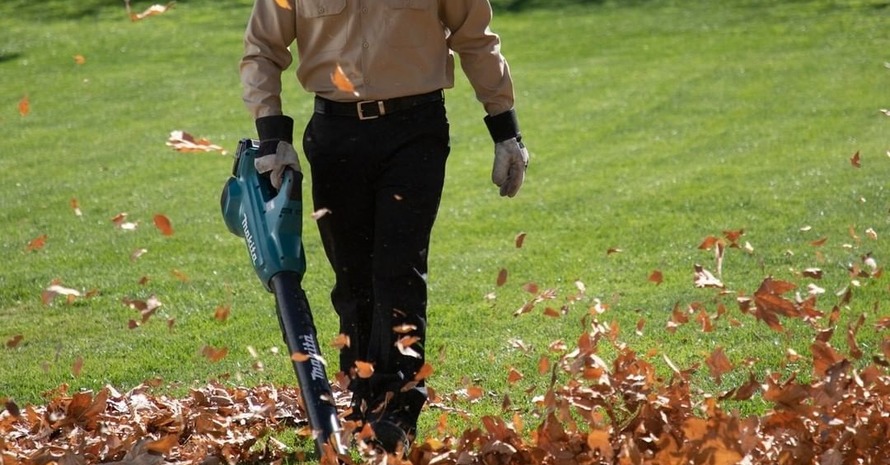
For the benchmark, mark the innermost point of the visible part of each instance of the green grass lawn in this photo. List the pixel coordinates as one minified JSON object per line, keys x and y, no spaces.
{"x":652,"y":125}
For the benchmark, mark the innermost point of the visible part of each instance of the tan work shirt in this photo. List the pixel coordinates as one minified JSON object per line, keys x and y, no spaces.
{"x":386,"y":48}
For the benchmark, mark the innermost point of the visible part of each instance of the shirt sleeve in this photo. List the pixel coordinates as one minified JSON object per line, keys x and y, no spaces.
{"x":479,"y":50}
{"x":270,"y":31}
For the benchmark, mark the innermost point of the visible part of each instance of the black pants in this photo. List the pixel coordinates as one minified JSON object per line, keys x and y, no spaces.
{"x":381,"y":180}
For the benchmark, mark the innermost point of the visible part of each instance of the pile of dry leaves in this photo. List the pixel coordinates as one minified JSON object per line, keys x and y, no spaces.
{"x":592,"y":412}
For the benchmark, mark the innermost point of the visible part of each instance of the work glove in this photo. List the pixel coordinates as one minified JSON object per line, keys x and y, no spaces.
{"x":276,"y":151}
{"x":510,"y":154}
{"x":284,"y":156}
{"x":510,"y":162}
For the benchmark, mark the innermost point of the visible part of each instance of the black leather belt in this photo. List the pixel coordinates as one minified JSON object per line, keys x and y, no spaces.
{"x":370,"y":109}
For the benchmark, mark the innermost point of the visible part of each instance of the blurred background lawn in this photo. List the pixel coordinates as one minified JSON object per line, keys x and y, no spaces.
{"x":652,"y":125}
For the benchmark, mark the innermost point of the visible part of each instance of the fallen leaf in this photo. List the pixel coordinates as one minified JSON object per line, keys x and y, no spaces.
{"x":221,"y":313}
{"x":137,"y":253}
{"x":75,"y":205}
{"x":656,"y":277}
{"x":519,"y":240}
{"x":854,"y":160}
{"x":502,"y":277}
{"x":513,"y":376}
{"x":24,"y":106}
{"x":13,"y":342}
{"x":79,"y":59}
{"x":36,"y":244}
{"x":163,"y":224}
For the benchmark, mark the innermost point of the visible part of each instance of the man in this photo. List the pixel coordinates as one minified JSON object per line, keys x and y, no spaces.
{"x":377,"y":145}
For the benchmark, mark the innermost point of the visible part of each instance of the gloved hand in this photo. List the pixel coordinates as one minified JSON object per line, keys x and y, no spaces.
{"x":274,"y":163}
{"x":276,"y":151}
{"x":510,"y":162}
{"x":510,"y":155}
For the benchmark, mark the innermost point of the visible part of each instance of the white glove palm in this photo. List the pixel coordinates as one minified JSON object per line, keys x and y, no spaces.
{"x":510,"y":162}
{"x":285,"y":156}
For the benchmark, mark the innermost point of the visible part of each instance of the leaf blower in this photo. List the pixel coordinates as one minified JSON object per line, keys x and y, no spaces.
{"x":270,"y":222}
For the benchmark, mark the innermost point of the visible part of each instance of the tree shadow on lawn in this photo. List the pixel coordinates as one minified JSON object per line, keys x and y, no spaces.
{"x":517,"y":6}
{"x":57,"y":10}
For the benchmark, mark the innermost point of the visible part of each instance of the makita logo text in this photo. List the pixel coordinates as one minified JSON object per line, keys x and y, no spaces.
{"x":311,"y":349}
{"x":251,"y":244}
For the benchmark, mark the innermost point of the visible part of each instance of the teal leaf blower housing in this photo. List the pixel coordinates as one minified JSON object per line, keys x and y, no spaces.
{"x":269,"y":221}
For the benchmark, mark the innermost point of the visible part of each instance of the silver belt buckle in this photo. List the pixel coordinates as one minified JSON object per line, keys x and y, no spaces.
{"x":381,"y":110}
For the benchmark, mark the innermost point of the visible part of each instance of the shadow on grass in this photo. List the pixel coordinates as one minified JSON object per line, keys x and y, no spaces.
{"x":517,"y":6}
{"x":56,"y":10}
{"x":4,"y":57}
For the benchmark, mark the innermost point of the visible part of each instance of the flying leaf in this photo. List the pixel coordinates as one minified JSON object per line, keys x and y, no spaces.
{"x":709,"y":242}
{"x":150,"y":11}
{"x":55,"y":289}
{"x":824,"y":357}
{"x":214,"y":354}
{"x":300,"y":357}
{"x":519,"y":240}
{"x":341,"y":81}
{"x":77,"y":367}
{"x":815,"y":273}
{"x":425,"y":371}
{"x":36,"y":244}
{"x":404,"y":345}
{"x":163,"y":224}
{"x":364,"y":369}
{"x":502,"y":277}
{"x":24,"y":106}
{"x":404,"y":328}
{"x":718,"y":364}
{"x":317,"y":214}
{"x":179,"y":275}
{"x":285,"y":4}
{"x":341,"y":341}
{"x":854,"y":160}
{"x":612,"y":250}
{"x":182,"y":141}
{"x":704,"y":278}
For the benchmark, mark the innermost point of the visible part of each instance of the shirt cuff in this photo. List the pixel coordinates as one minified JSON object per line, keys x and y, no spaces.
{"x":503,"y":126}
